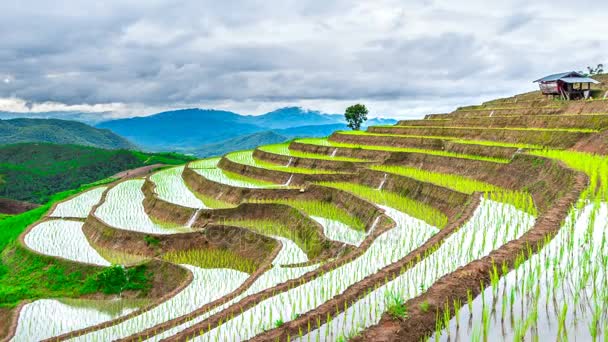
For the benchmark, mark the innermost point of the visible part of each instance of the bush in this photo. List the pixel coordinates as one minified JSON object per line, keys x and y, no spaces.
{"x":395,"y":305}
{"x":116,"y":279}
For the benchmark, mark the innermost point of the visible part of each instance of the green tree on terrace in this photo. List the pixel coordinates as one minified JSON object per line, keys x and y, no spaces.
{"x":355,"y":115}
{"x":595,"y":71}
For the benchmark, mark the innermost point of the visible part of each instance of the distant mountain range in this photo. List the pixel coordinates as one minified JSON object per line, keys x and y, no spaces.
{"x":208,"y":132}
{"x":201,"y":132}
{"x":59,"y":132}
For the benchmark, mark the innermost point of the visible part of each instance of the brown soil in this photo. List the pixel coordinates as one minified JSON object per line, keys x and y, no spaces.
{"x":448,"y":201}
{"x":13,"y":207}
{"x":8,"y":322}
{"x":278,"y":177}
{"x":355,"y":291}
{"x":597,"y":144}
{"x":372,"y":155}
{"x":555,"y":139}
{"x":426,"y":143}
{"x":254,"y":299}
{"x":162,"y":210}
{"x":535,"y":121}
{"x":301,"y":226}
{"x":243,"y":242}
{"x":309,"y":163}
{"x":456,"y":285}
{"x":354,"y":205}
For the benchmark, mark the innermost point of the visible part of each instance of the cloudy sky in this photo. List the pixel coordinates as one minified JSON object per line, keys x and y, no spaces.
{"x":401,"y":58}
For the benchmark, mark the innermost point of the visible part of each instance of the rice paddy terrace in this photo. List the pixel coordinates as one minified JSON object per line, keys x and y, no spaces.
{"x":487,"y":223}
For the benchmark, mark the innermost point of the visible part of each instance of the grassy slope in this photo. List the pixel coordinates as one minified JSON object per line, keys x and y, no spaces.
{"x":33,"y":172}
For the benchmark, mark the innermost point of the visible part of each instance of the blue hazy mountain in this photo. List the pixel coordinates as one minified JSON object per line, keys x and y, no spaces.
{"x":190,"y":129}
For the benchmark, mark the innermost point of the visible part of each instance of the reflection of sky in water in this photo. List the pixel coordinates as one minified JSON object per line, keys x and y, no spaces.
{"x":46,"y":318}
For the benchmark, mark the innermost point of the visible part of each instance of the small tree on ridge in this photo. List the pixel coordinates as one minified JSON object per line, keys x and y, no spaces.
{"x":355,"y":115}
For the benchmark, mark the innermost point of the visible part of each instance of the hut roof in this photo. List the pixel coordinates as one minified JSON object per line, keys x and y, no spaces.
{"x":568,"y":77}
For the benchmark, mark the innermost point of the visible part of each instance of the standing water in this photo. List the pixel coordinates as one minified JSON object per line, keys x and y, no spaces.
{"x":383,"y":181}
{"x":290,"y":162}
{"x":288,"y":181}
{"x":333,"y":154}
{"x":376,"y":221}
{"x":193,"y":218}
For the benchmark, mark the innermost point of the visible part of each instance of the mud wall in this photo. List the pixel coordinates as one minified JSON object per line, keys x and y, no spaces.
{"x":556,"y":139}
{"x":309,"y":163}
{"x":163,"y":210}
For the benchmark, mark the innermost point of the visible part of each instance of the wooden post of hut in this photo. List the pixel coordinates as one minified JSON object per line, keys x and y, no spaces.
{"x":564,"y":85}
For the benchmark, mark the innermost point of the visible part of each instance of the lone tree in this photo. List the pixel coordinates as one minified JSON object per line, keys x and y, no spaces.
{"x":355,"y":115}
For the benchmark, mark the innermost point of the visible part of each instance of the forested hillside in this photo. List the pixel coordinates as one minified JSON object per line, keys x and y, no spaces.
{"x":34,"y":171}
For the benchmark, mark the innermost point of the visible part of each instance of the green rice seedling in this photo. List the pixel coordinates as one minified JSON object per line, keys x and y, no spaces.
{"x":442,"y":137}
{"x":209,"y":163}
{"x":424,"y":306}
{"x":395,"y":305}
{"x":580,"y":130}
{"x":212,"y":258}
{"x":309,"y":242}
{"x":414,"y":208}
{"x":246,"y":158}
{"x":283,"y":149}
{"x":323,"y":209}
{"x":326,"y":142}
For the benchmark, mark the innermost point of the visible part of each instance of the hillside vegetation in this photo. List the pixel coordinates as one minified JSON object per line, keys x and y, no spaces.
{"x":56,"y":131}
{"x":33,"y":172}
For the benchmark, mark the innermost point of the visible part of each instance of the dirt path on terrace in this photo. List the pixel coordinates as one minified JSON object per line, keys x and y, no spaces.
{"x":457,"y":285}
{"x":138,"y":172}
{"x":13,"y":207}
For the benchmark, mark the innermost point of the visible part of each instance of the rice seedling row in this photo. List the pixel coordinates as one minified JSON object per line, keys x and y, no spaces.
{"x":289,"y":253}
{"x":70,"y":314}
{"x":492,"y":225}
{"x":79,"y":206}
{"x":389,"y":247}
{"x":123,"y":208}
{"x":246,"y":158}
{"x":232,"y":179}
{"x":424,"y":212}
{"x":283,"y":149}
{"x":558,"y":294}
{"x":580,"y":130}
{"x":326,"y":142}
{"x":206,"y":286}
{"x":171,"y":187}
{"x":64,"y":239}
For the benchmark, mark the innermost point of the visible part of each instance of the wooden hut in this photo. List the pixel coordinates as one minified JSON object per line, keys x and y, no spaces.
{"x":567,"y":85}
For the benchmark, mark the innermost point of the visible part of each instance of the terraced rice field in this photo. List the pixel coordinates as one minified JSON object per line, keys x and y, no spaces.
{"x":359,"y":236}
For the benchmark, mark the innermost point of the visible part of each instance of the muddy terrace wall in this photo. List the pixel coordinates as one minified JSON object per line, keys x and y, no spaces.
{"x":309,"y":163}
{"x":162,"y":210}
{"x":536,"y":121}
{"x":354,"y":205}
{"x":542,"y":177}
{"x":423,"y":143}
{"x":448,"y":201}
{"x":241,"y":241}
{"x":301,"y":226}
{"x":570,"y":107}
{"x":341,"y":151}
{"x":279,"y":177}
{"x":556,"y":139}
{"x":458,"y":284}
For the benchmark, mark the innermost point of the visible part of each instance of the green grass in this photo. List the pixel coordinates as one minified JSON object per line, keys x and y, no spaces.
{"x":246,"y":158}
{"x":4,"y":216}
{"x":323,"y":209}
{"x":25,"y":275}
{"x":283,"y":149}
{"x":442,"y":137}
{"x":212,"y":258}
{"x":520,"y":200}
{"x":409,"y":206}
{"x":326,"y":142}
